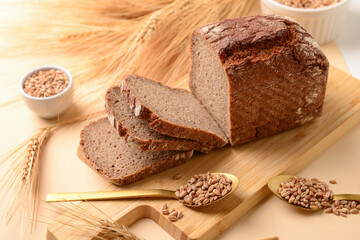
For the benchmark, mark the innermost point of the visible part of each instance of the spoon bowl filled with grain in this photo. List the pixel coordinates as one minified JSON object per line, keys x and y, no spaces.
{"x":47,"y":91}
{"x":311,"y":194}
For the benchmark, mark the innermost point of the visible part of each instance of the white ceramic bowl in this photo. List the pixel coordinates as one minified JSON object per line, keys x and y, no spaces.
{"x":48,"y":107}
{"x":324,"y":24}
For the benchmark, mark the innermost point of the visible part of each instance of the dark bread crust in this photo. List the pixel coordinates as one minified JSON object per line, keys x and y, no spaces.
{"x":164,"y":127}
{"x":153,"y":169}
{"x":170,"y":162}
{"x":277,"y":74}
{"x":169,"y":143}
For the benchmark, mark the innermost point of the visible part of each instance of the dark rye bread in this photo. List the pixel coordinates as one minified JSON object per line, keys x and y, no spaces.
{"x":137,"y":130}
{"x":170,"y":111}
{"x":120,"y":162}
{"x":258,"y":76}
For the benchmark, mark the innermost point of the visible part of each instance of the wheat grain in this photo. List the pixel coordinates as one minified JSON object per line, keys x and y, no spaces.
{"x":85,"y":34}
{"x":308,"y":3}
{"x":203,"y":188}
{"x":309,"y":193}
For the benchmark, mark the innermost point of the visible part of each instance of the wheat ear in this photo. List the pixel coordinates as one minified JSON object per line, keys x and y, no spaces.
{"x":94,"y":222}
{"x":20,"y":182}
{"x":19,"y":178}
{"x":136,"y":41}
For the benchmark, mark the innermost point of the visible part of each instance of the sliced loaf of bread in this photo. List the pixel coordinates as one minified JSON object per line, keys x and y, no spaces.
{"x":120,"y":162}
{"x":258,"y":76}
{"x":170,"y":111}
{"x":137,"y":130}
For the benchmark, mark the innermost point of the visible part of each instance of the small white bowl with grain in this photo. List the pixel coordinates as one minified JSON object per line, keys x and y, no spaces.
{"x":323,"y":19}
{"x":47,"y":91}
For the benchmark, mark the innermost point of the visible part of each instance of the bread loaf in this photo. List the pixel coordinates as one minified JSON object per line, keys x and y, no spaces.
{"x":258,"y":75}
{"x":120,"y":162}
{"x":137,"y":130}
{"x":171,"y":111}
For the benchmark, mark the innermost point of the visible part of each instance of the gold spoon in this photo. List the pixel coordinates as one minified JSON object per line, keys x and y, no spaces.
{"x":125,"y":194}
{"x":275,"y":182}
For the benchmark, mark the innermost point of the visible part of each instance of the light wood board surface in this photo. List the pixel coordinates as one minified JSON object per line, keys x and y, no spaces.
{"x":61,"y":169}
{"x":254,"y":163}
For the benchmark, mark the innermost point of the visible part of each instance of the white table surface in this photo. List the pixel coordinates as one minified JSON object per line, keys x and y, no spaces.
{"x":263,"y":221}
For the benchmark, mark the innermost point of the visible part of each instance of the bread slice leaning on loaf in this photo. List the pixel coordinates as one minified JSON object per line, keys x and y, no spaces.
{"x":137,"y":130}
{"x":258,"y":75}
{"x":171,"y":111}
{"x":120,"y":162}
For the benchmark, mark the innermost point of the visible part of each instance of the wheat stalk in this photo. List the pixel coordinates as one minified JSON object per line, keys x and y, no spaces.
{"x":136,"y":42}
{"x":94,"y":224}
{"x":20,"y":175}
{"x":20,"y":182}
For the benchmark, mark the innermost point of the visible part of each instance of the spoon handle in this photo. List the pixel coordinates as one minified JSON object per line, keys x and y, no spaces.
{"x":110,"y":195}
{"x":352,"y":197}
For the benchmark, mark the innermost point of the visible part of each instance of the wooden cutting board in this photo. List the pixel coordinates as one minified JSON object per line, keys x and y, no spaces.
{"x":254,"y":163}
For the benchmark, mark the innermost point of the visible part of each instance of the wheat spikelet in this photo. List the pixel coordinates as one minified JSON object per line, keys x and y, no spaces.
{"x":20,"y":182}
{"x":135,"y":42}
{"x":86,"y":34}
{"x":149,"y":27}
{"x":95,"y":224}
{"x":20,"y":175}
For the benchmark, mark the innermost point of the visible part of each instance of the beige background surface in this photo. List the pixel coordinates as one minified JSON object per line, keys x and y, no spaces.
{"x":61,"y":171}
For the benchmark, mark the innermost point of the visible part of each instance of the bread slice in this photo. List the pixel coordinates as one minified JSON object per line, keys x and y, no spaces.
{"x":258,"y":75}
{"x":137,"y":130}
{"x":170,"y":111}
{"x":120,"y":162}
